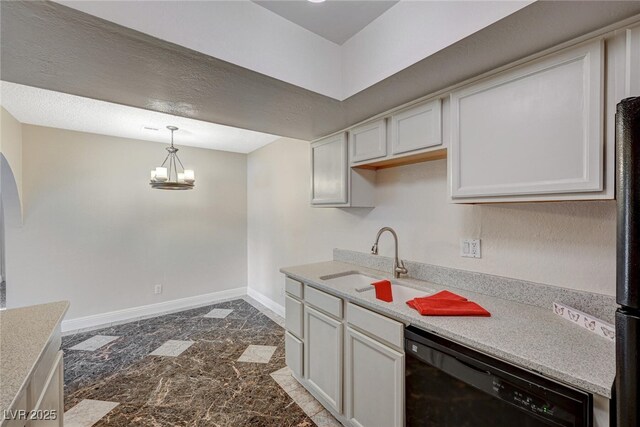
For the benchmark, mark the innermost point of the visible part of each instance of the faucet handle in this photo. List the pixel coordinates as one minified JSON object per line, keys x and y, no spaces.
{"x":400,"y":268}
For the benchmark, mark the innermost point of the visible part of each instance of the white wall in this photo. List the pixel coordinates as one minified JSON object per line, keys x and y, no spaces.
{"x":427,"y":27}
{"x":568,"y":244}
{"x":11,"y":150}
{"x":96,"y":234}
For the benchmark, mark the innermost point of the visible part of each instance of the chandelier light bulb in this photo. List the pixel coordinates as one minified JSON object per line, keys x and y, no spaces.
{"x":171,"y":175}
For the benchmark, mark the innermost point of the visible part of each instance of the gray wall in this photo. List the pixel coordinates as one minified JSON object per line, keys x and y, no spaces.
{"x":96,"y":234}
{"x":569,"y":244}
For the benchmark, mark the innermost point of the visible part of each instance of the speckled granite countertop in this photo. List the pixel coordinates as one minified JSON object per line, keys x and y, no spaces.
{"x":24,"y":334}
{"x":524,"y":335}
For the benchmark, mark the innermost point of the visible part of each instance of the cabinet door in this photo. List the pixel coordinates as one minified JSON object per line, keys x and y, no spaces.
{"x":329,"y":171}
{"x":417,"y":128}
{"x":323,"y":356}
{"x":294,"y":349}
{"x":51,"y":401}
{"x":368,"y":141}
{"x":293,"y":316}
{"x":374,"y":382}
{"x":633,"y":62}
{"x":536,"y":129}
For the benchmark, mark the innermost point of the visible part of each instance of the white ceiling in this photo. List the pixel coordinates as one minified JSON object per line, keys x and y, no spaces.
{"x":335,"y":20}
{"x":243,"y":33}
{"x":58,"y":110}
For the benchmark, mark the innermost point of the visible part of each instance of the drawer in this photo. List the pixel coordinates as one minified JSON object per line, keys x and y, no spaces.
{"x":293,"y":287}
{"x":293,"y":354}
{"x":323,"y":301}
{"x":294,"y":315}
{"x":376,"y":325}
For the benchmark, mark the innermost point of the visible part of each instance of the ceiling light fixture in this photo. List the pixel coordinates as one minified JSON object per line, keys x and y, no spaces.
{"x":316,"y":1}
{"x":168,"y":177}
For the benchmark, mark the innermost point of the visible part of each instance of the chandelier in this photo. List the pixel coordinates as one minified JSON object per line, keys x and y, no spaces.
{"x":167,"y":176}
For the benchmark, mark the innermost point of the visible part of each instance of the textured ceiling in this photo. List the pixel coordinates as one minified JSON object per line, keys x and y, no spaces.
{"x":51,"y":46}
{"x":59,"y":110}
{"x":335,"y":20}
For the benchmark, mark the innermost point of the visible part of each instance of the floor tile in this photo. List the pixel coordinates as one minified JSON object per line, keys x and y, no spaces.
{"x":87,"y":413}
{"x":325,"y":419}
{"x":257,"y":354}
{"x":94,"y":343}
{"x":218,"y":313}
{"x":279,"y":320}
{"x":172,"y":348}
{"x":285,"y":380}
{"x":204,"y":386}
{"x":305,"y":401}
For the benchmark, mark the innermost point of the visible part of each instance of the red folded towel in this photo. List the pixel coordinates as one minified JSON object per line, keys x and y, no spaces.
{"x":383,"y":290}
{"x":444,"y":295}
{"x":447,"y":303}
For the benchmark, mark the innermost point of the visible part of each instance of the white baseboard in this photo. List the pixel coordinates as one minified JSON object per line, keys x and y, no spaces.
{"x":96,"y":321}
{"x":266,"y":301}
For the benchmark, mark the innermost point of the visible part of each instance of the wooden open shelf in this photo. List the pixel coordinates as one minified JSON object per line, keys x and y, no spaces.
{"x":406,"y":160}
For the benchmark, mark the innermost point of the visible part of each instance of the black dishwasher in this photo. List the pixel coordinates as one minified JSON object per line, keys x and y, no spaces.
{"x":449,"y":385}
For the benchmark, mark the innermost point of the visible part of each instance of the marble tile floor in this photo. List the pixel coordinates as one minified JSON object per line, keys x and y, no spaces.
{"x":205,"y":385}
{"x":320,"y":416}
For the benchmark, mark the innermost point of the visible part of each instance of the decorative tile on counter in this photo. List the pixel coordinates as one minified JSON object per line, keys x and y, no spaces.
{"x":590,"y":323}
{"x":204,"y":386}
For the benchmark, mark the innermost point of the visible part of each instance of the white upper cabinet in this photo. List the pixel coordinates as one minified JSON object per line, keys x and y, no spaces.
{"x":416,"y":128}
{"x":329,"y":180}
{"x":368,"y":141}
{"x":333,"y":182}
{"x":533,"y":130}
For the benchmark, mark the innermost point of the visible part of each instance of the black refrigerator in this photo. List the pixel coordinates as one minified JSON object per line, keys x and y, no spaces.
{"x":627,"y":390}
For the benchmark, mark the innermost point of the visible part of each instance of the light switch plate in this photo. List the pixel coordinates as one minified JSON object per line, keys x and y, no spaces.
{"x":470,"y":248}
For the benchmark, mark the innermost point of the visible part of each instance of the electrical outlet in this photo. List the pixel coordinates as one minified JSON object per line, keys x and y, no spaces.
{"x":470,"y":248}
{"x":157,"y":289}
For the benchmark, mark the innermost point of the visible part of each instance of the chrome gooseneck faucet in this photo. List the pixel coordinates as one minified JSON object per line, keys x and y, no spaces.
{"x":398,"y":264}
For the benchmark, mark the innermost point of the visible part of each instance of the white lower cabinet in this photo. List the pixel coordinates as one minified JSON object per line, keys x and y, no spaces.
{"x":51,"y":400}
{"x":349,"y":357}
{"x":293,"y":317}
{"x":294,"y":350}
{"x":323,"y":356}
{"x":374,"y":382}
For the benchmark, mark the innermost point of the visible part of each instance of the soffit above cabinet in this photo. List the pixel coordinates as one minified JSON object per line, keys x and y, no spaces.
{"x":50,"y":46}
